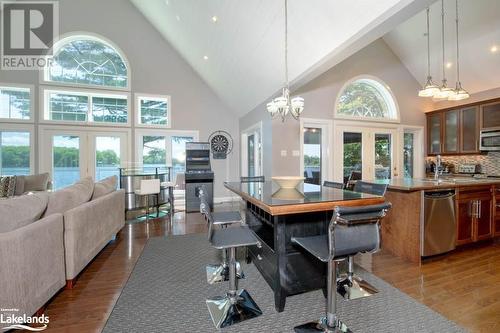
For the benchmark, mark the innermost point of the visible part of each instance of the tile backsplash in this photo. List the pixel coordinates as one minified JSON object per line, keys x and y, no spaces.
{"x":490,"y":162}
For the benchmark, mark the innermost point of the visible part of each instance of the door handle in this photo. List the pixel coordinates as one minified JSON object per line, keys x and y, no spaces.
{"x":479,"y":209}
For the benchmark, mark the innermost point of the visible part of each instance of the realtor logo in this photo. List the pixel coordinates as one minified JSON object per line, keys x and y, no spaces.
{"x":29,"y":30}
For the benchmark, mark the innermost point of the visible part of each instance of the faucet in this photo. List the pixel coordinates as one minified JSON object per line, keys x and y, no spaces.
{"x":437,"y":167}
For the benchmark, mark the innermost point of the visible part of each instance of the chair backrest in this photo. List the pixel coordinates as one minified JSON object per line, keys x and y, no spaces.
{"x":355,"y":229}
{"x":355,"y":175}
{"x":370,"y":188}
{"x":260,"y":179}
{"x":150,"y":186}
{"x":180,"y":179}
{"x":327,"y":183}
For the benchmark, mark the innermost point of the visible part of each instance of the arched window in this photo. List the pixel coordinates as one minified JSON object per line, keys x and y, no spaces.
{"x":366,"y":98}
{"x":87,"y":60}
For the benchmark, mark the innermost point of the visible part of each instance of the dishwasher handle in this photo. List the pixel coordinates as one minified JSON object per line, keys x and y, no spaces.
{"x":439,"y":195}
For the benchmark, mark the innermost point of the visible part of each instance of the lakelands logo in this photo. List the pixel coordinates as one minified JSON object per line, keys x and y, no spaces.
{"x":13,"y":322}
{"x":29,"y":30}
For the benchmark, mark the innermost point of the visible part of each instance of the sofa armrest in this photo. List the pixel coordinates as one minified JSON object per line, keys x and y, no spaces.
{"x":89,"y":227}
{"x":32,"y":264}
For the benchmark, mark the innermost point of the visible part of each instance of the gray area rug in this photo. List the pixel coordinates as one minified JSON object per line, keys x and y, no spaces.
{"x":167,"y":289}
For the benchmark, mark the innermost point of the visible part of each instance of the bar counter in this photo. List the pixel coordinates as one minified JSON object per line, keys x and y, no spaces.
{"x":276,"y":215}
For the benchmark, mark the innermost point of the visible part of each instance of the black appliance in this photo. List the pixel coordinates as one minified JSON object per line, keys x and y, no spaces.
{"x":198,"y":174}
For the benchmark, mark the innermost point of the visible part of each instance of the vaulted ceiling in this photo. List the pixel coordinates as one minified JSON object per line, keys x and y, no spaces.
{"x":237,"y":46}
{"x":479,"y":32}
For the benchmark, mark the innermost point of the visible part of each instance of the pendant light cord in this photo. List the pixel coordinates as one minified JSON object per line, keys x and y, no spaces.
{"x":458,"y":52}
{"x":428,"y":46}
{"x":286,"y":43}
{"x":442,"y":39}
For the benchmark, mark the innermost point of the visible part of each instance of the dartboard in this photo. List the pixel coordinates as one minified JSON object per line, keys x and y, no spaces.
{"x":221,"y":144}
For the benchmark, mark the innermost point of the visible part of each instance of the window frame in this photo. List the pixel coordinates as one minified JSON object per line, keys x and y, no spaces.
{"x":168,"y":134}
{"x":30,"y":128}
{"x":386,"y":93}
{"x":69,"y":37}
{"x":32,"y":100}
{"x":44,"y":105}
{"x":137,"y":103}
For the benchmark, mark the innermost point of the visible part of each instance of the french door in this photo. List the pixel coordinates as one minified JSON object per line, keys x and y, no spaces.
{"x":69,"y":154}
{"x":371,"y":151}
{"x":251,"y":154}
{"x":314,"y":150}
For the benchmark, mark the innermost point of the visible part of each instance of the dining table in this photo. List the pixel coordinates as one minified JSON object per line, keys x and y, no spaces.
{"x":276,"y":215}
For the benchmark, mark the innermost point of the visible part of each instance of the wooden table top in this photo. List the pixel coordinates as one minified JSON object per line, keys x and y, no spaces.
{"x":305,"y":198}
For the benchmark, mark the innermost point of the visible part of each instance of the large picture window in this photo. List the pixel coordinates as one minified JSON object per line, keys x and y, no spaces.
{"x":86,"y":106}
{"x":87,"y":60}
{"x":15,"y":102}
{"x":366,"y":98}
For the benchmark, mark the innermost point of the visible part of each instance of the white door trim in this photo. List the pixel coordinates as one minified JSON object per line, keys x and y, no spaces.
{"x":326,"y":126}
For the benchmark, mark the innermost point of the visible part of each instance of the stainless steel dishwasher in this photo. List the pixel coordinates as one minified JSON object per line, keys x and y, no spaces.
{"x":438,"y":228}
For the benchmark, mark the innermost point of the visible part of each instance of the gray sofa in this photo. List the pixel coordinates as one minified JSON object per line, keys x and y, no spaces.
{"x":47,"y":239}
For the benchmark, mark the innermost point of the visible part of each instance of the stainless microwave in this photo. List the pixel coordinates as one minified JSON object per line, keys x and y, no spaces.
{"x":490,"y":140}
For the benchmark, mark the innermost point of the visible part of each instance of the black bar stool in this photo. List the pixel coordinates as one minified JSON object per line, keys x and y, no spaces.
{"x":236,"y":305}
{"x":344,"y":238}
{"x":220,"y":272}
{"x":350,"y":285}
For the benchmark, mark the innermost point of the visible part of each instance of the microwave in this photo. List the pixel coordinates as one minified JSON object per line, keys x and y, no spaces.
{"x":490,"y":140}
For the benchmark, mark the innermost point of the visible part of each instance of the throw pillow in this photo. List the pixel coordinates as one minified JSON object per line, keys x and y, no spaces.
{"x":7,"y":186}
{"x":105,"y":186}
{"x":36,"y":182}
{"x":20,"y":211}
{"x":70,"y":197}
{"x":19,"y":185}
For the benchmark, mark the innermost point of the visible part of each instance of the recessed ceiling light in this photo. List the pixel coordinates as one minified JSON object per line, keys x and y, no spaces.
{"x":494,"y":49}
{"x":177,"y":17}
{"x":167,"y":2}
{"x":214,"y":19}
{"x":205,"y":57}
{"x":449,"y":64}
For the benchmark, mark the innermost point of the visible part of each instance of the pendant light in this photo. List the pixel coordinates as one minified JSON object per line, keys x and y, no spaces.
{"x":444,"y":91}
{"x":430,"y":88}
{"x":459,"y":93}
{"x":283,"y":104}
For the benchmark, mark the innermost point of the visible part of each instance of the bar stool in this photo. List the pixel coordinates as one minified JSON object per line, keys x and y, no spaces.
{"x":350,"y":285}
{"x":344,"y":238}
{"x":146,"y":188}
{"x":220,"y":272}
{"x":236,"y":305}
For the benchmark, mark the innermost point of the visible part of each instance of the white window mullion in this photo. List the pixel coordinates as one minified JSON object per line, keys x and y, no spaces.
{"x":90,"y":115}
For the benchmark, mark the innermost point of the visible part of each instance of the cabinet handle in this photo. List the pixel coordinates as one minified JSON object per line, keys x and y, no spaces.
{"x":479,"y":209}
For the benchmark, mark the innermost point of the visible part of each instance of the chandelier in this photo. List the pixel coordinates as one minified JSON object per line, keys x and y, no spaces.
{"x":459,"y":93}
{"x":283,"y":105}
{"x":430,"y":88}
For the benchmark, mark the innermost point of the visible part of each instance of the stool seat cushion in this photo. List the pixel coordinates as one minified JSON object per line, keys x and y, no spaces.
{"x":233,"y":237}
{"x":348,"y":240}
{"x":226,"y":217}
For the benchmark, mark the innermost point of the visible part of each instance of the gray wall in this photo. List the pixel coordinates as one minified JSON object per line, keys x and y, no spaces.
{"x":376,"y":59}
{"x":156,"y":69}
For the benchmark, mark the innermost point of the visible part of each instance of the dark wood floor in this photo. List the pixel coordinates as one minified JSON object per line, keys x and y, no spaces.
{"x":463,"y":286}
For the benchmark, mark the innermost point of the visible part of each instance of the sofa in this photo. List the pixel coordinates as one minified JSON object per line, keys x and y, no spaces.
{"x":48,"y":238}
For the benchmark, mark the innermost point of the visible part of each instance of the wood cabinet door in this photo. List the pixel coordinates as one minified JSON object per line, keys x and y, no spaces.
{"x":469,"y":130}
{"x":484,"y":220}
{"x":465,"y":231}
{"x":450,"y":132}
{"x":490,"y":115}
{"x":434,"y":138}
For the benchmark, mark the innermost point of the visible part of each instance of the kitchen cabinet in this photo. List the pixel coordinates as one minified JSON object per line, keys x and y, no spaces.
{"x":490,"y":115}
{"x":453,"y":132}
{"x":496,"y":211}
{"x":450,"y":131}
{"x":434,"y":128}
{"x":469,"y":130}
{"x":474,"y":207}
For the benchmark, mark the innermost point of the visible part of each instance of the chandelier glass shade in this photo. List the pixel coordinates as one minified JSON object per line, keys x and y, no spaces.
{"x":284,"y":104}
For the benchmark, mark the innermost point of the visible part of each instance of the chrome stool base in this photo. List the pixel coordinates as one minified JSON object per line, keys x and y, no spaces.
{"x":227,"y":310}
{"x":321,"y":326}
{"x":354,"y":287}
{"x":219,"y":273}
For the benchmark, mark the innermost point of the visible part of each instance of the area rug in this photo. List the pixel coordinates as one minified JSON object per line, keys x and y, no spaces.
{"x":167,"y":289}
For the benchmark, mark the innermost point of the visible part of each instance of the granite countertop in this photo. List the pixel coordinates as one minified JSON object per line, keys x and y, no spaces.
{"x":418,"y":184}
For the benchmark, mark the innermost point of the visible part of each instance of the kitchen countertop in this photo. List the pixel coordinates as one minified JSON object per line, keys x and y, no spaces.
{"x":418,"y":184}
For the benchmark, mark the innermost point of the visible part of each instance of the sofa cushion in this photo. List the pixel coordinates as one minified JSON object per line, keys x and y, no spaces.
{"x":36,"y":182}
{"x":7,"y":186}
{"x":70,"y":197}
{"x":19,"y":185}
{"x":105,"y":186}
{"x":20,"y":211}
